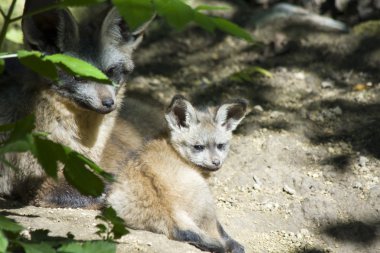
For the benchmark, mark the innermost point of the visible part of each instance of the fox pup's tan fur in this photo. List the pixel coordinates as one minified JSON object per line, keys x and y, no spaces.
{"x":164,"y":190}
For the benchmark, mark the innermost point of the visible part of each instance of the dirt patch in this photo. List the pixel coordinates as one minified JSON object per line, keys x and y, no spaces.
{"x":302,"y":175}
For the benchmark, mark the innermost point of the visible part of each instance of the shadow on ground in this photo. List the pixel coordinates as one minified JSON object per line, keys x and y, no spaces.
{"x":357,"y":232}
{"x":358,"y":125}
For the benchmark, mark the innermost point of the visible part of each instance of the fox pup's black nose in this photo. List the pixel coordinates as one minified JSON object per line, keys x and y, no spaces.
{"x":108,"y":102}
{"x":216,"y":162}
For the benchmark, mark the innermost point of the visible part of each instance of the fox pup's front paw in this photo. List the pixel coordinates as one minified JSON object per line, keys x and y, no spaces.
{"x":235,"y":247}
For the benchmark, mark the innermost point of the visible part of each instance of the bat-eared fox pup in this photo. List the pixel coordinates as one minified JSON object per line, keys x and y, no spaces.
{"x":75,"y":112}
{"x":164,"y":190}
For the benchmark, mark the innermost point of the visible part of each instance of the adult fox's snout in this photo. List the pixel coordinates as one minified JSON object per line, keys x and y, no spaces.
{"x":100,"y":98}
{"x":92,"y":96}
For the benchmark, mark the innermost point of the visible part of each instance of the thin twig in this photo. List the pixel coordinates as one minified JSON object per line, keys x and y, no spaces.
{"x":2,"y":12}
{"x":6,"y":56}
{"x":7,"y":21}
{"x":35,"y":12}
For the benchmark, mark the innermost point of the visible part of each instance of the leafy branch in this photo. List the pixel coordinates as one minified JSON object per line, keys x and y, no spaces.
{"x":136,"y":12}
{"x":114,"y":227}
{"x":178,"y":14}
{"x":13,"y":240}
{"x":49,"y":154}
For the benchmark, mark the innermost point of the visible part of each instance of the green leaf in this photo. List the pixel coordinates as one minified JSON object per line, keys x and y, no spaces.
{"x":37,"y":248}
{"x":211,"y":8}
{"x":7,"y":224}
{"x":34,"y":60}
{"x":16,"y":146}
{"x":231,"y":28}
{"x":1,"y":65}
{"x":176,"y":12}
{"x":7,"y":127}
{"x":23,"y":127}
{"x":77,"y":67}
{"x":75,"y":172}
{"x":94,"y":167}
{"x":118,"y":223}
{"x":20,"y":139}
{"x":47,"y":154}
{"x":70,"y":236}
{"x":246,"y":74}
{"x":89,"y":247}
{"x":259,"y":70}
{"x":68,"y":3}
{"x":101,"y":228}
{"x":204,"y":21}
{"x":135,"y":12}
{"x":3,"y":242}
{"x":47,"y":66}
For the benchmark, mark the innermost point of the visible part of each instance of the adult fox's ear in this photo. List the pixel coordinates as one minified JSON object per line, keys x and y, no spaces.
{"x":51,"y":31}
{"x":229,"y":115}
{"x":114,"y":26}
{"x":180,"y":113}
{"x":138,"y":33}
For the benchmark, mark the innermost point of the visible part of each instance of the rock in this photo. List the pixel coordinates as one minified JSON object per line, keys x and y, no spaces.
{"x":26,"y":234}
{"x":331,"y":150}
{"x":258,"y":108}
{"x":285,"y":11}
{"x":327,"y":84}
{"x":341,"y":5}
{"x":257,"y":183}
{"x":288,"y":190}
{"x":363,"y":161}
{"x":276,"y":114}
{"x":337,"y":110}
{"x":315,"y":116}
{"x":306,"y":185}
{"x":305,"y":232}
{"x":357,"y":185}
{"x":299,"y":75}
{"x":374,"y":193}
{"x":270,"y":206}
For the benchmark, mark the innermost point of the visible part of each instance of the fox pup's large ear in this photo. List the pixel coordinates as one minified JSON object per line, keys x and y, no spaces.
{"x":180,"y":113}
{"x":115,"y":27}
{"x":51,"y":31}
{"x":230,"y":114}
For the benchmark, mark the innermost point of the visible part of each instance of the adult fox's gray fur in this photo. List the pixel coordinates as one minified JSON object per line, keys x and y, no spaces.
{"x":76,"y":112}
{"x":164,"y":189}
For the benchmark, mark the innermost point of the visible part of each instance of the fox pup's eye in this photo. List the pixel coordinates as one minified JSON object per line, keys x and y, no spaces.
{"x":221,"y":146}
{"x":199,"y":147}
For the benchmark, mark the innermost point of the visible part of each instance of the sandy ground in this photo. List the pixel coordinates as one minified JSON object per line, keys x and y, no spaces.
{"x":302,"y":175}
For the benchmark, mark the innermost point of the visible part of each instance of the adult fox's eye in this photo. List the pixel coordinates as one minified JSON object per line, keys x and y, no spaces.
{"x":199,"y":147}
{"x":110,"y":71}
{"x":221,"y":146}
{"x":79,"y":79}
